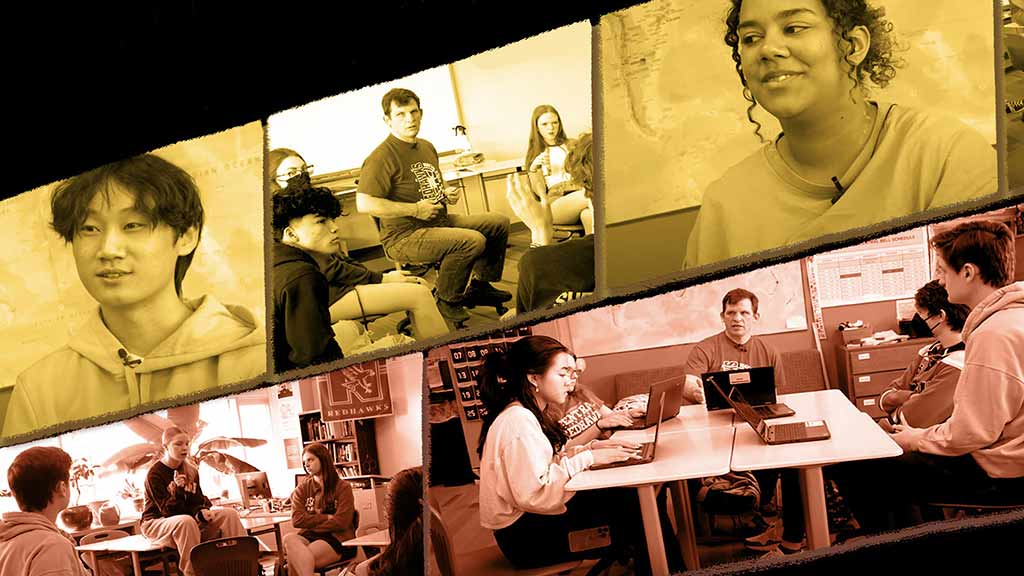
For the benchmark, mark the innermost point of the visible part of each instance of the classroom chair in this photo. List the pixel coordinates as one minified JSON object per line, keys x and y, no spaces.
{"x":568,"y":231}
{"x":148,"y":560}
{"x":803,"y":371}
{"x":486,"y":561}
{"x":239,"y":556}
{"x":324,"y":570}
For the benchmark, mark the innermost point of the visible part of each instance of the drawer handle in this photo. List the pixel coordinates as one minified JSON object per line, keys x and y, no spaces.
{"x":864,"y":356}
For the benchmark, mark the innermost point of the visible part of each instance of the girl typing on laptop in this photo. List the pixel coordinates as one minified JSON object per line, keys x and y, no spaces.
{"x":524,"y":464}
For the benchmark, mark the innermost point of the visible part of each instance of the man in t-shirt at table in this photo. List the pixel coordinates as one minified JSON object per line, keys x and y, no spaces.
{"x":735,"y":348}
{"x":401,"y":184}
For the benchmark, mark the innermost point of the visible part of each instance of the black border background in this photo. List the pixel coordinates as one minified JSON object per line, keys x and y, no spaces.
{"x":90,"y":83}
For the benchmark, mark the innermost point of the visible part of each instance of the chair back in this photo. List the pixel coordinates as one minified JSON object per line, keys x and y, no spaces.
{"x":239,"y":556}
{"x":803,"y":371}
{"x":441,"y":544}
{"x":102,"y":535}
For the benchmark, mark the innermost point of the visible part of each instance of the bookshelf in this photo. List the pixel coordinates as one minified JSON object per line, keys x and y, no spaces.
{"x":352,"y":443}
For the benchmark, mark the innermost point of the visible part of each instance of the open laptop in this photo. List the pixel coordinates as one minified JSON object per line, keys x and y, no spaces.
{"x":788,"y":433}
{"x":253,"y":486}
{"x":665,"y":397}
{"x":646,"y":449}
{"x":758,"y":388}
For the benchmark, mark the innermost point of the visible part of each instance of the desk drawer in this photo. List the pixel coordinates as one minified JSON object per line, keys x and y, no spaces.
{"x":873,"y":384}
{"x":881,"y":359}
{"x":869,"y":404}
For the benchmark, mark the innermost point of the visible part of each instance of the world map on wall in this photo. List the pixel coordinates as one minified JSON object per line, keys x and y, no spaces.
{"x":675,"y":118}
{"x":41,"y":297}
{"x":691,"y":314}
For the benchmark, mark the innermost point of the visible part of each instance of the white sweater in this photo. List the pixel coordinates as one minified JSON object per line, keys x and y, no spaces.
{"x":519,"y":471}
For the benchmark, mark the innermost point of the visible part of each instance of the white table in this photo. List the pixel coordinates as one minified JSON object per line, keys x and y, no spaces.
{"x":854,"y":437}
{"x":690,"y":418}
{"x":681,"y":455}
{"x":378,"y":539}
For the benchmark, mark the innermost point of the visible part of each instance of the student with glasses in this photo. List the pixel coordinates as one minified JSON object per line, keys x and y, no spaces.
{"x":584,"y":416}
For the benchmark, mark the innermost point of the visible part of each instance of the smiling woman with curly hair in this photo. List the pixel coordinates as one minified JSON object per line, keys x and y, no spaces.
{"x":842,"y":160}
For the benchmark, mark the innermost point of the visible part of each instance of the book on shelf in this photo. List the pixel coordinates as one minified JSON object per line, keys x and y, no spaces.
{"x":317,"y":430}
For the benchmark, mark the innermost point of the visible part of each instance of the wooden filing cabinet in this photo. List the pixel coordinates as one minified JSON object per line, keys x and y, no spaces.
{"x":865,"y":371}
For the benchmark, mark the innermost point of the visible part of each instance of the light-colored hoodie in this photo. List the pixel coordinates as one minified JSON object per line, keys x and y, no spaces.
{"x":31,"y":545}
{"x":216,"y":345}
{"x":520,"y":472}
{"x":988,"y":405}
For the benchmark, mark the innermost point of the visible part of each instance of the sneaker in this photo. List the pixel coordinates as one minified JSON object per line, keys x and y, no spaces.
{"x":482,"y":293}
{"x":453,"y":312}
{"x":781,"y":551}
{"x":765,"y":540}
{"x":1014,"y":106}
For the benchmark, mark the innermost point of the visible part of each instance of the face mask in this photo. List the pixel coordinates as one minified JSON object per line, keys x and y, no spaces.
{"x":300,"y":181}
{"x":919,"y":327}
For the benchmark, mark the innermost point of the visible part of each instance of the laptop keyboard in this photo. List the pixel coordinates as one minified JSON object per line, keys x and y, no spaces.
{"x":787,"y":432}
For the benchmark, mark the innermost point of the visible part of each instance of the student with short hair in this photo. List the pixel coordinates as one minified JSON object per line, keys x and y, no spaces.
{"x":978,"y":452}
{"x":176,"y":512}
{"x":134,"y":226}
{"x":31,"y":544}
{"x":401,"y":184}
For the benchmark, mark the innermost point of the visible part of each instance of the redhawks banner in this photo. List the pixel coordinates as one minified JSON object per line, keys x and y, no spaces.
{"x":354,"y":392}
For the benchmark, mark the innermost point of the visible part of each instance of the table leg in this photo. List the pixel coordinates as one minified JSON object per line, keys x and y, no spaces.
{"x":136,"y":565}
{"x":812,"y":489}
{"x":91,"y":555}
{"x":684,"y":523}
{"x":277,"y":539}
{"x":652,"y":529}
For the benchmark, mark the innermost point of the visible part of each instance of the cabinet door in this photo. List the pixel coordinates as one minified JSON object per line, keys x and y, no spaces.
{"x":873,"y":384}
{"x":869,"y":404}
{"x":882,"y":358}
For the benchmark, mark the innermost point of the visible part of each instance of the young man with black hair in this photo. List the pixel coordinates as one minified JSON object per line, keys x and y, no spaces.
{"x":133,"y":227}
{"x":401,"y":185}
{"x":977,"y":454}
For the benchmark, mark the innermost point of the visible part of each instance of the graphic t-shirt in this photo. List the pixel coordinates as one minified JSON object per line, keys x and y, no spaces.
{"x":719,"y":353}
{"x":582,"y":409}
{"x":404,"y":172}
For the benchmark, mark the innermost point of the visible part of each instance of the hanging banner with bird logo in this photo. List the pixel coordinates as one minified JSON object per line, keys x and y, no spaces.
{"x":354,"y":392}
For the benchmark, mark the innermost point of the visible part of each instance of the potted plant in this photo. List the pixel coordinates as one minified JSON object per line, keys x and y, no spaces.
{"x":209,"y":451}
{"x":79,"y":517}
{"x":131,"y":493}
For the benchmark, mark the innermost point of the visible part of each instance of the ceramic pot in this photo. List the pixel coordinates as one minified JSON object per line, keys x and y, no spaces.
{"x":109,"y":514}
{"x":76,"y":517}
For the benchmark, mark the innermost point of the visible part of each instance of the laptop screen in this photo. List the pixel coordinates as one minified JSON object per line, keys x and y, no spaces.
{"x":735,"y":399}
{"x":657,"y":428}
{"x":665,"y":397}
{"x":251,"y":486}
{"x":758,"y":386}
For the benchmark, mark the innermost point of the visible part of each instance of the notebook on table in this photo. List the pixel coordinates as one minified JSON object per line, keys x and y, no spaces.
{"x":787,"y":433}
{"x":646,"y":449}
{"x":758,"y":388}
{"x":665,"y":397}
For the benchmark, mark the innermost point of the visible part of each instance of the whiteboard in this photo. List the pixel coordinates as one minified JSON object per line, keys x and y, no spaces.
{"x":338,"y":133}
{"x":692,"y":314}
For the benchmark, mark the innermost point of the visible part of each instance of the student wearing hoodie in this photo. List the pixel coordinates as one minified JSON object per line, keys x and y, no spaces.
{"x":977,"y":454}
{"x":133,"y":227}
{"x":30,"y":542}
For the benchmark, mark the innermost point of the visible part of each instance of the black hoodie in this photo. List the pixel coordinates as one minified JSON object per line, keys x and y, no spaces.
{"x":302,"y":318}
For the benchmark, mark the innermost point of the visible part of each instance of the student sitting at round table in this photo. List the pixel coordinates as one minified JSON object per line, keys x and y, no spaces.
{"x":546,"y":152}
{"x":404,"y":512}
{"x":842,"y":161}
{"x":323,"y":507}
{"x":524,"y":467}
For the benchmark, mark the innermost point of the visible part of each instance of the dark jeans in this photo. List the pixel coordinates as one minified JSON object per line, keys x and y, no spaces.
{"x":474,"y":243}
{"x":536,"y":540}
{"x":793,"y":529}
{"x":875,"y":488}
